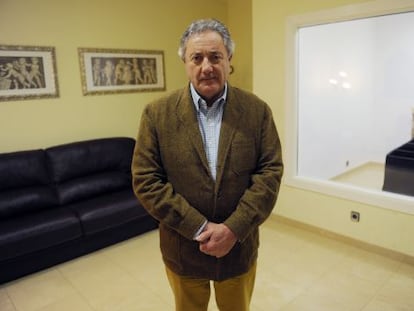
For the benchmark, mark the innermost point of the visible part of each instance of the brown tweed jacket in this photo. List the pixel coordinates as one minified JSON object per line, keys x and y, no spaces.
{"x":171,"y":179}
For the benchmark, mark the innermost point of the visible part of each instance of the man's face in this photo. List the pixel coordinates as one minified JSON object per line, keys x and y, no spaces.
{"x":207,"y":64}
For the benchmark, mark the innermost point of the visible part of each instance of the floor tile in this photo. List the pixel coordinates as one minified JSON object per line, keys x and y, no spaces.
{"x":397,"y":293}
{"x":369,"y":265}
{"x":272,"y":292}
{"x":73,"y":302}
{"x":39,"y":290}
{"x":5,"y":302}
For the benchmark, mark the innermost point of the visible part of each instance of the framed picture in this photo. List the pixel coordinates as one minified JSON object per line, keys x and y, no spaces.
{"x":27,"y":72}
{"x":105,"y":71}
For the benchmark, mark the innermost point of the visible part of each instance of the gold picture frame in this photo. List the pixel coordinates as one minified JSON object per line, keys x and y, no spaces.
{"x":27,"y":72}
{"x":108,"y":71}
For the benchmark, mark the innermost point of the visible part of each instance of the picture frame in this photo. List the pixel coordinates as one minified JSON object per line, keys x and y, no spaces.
{"x":27,"y":72}
{"x":108,"y":71}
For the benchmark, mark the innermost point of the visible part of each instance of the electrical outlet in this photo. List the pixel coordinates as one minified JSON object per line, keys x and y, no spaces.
{"x":355,"y":216}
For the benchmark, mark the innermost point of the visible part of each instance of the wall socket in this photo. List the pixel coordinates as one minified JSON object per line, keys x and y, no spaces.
{"x":355,"y":216}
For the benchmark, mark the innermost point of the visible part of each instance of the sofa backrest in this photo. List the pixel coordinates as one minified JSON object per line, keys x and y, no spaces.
{"x":24,"y":183}
{"x":85,"y":169}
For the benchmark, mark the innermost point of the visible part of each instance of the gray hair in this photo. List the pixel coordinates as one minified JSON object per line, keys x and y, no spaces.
{"x":202,"y":25}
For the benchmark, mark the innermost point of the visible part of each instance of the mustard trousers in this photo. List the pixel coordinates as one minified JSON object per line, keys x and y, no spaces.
{"x":193,"y":294}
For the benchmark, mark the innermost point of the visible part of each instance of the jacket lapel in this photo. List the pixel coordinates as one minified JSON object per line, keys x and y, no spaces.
{"x":187,"y":115}
{"x":231,"y":119}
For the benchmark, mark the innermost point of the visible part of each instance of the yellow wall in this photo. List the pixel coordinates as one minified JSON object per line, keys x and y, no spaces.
{"x":378,"y":226}
{"x":124,"y":24}
{"x":240,"y":24}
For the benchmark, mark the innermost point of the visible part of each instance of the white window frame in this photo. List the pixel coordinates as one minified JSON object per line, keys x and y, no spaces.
{"x":382,"y":199}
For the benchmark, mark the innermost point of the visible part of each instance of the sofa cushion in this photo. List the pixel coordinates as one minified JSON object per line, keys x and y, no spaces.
{"x":92,"y":185}
{"x":22,"y":169}
{"x":17,"y":202}
{"x":89,"y":157}
{"x":108,"y":211}
{"x":86,"y":169}
{"x":24,"y":185}
{"x":36,"y":231}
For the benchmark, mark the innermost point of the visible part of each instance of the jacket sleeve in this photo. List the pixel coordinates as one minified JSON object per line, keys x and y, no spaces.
{"x":259,"y":199}
{"x":151,"y":186}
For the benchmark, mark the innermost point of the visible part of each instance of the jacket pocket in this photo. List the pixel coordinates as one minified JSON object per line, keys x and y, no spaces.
{"x":243,"y":157}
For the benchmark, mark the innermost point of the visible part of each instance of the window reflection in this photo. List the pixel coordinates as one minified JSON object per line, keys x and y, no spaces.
{"x":355,"y":98}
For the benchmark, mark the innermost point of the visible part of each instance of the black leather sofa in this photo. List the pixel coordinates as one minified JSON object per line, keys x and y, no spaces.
{"x":66,"y":201}
{"x":399,"y":170}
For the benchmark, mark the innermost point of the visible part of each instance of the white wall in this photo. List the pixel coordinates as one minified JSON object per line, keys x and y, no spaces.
{"x":394,"y":81}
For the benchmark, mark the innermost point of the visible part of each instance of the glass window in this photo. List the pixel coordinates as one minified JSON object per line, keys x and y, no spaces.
{"x":353,"y":98}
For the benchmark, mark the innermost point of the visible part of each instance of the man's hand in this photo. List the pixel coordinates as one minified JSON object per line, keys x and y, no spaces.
{"x":216,"y":240}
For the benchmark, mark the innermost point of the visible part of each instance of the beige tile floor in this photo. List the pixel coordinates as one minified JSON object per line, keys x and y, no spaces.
{"x":369,"y":175}
{"x":298,"y":270}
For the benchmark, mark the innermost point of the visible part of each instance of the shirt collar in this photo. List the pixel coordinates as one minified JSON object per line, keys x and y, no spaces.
{"x":196,"y":97}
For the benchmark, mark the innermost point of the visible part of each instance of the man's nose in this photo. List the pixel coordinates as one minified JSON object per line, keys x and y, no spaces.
{"x":206,"y":65}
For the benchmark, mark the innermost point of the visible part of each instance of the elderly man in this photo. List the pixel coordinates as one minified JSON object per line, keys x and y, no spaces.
{"x":208,"y":166}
